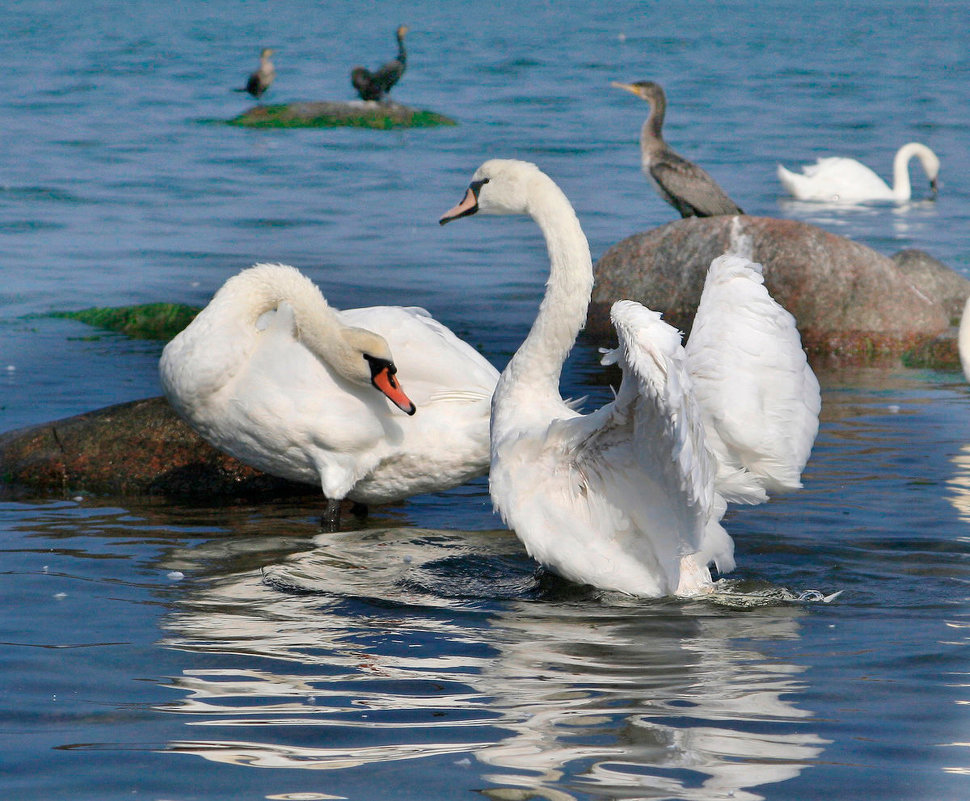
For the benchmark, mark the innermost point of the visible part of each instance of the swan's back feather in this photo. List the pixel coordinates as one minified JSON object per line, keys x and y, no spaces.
{"x":759,"y":397}
{"x":415,"y":335}
{"x":835,"y":179}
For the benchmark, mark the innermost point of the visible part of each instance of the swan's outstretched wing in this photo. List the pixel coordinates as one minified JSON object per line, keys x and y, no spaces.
{"x":620,"y":498}
{"x":759,"y":397}
{"x":655,"y":417}
{"x":655,"y":392}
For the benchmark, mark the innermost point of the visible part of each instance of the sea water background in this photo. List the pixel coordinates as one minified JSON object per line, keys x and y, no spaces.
{"x":165,"y":651}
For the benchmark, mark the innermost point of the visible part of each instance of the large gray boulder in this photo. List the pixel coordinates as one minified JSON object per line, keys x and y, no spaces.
{"x":851,"y":303}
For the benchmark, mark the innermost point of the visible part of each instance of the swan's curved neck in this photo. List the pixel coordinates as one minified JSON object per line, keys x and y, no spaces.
{"x":261,"y":289}
{"x":536,"y":367}
{"x":901,"y":185}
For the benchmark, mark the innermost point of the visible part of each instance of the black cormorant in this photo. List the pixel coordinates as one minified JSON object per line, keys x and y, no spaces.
{"x":683,"y":184}
{"x":260,"y":80}
{"x":375,"y":85}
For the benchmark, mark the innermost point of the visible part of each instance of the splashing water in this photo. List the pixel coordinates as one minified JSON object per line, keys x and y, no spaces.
{"x":738,"y":594}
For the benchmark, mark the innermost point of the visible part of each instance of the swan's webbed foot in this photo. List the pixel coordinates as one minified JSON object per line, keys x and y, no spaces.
{"x":331,"y":516}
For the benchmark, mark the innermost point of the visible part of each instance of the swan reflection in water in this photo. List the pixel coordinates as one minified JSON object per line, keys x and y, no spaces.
{"x":432,"y":642}
{"x":959,"y":484}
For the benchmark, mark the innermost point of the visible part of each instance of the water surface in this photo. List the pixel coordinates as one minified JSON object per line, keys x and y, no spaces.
{"x":177,"y":651}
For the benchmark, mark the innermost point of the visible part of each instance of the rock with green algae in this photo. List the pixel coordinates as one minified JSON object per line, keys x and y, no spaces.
{"x":333,"y":114}
{"x":136,"y":448}
{"x":160,"y":321}
{"x":939,"y":353}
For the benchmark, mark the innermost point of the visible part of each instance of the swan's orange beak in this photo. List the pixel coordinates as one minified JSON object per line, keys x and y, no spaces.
{"x":385,"y":381}
{"x":468,"y":205}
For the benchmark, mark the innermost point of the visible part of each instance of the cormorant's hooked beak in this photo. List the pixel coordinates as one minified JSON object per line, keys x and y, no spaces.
{"x":468,"y":205}
{"x":628,"y":86}
{"x":382,"y":377}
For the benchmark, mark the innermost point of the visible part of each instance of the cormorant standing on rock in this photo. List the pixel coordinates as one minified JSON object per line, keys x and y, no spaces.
{"x":680,"y":182}
{"x":260,"y":80}
{"x":375,"y":85}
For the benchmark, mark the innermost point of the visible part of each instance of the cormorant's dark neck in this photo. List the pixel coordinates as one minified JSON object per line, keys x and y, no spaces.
{"x":658,"y":109}
{"x":402,"y":56}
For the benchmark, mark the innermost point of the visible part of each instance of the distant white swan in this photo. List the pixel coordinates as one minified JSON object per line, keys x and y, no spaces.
{"x":623,"y":498}
{"x":836,"y":180}
{"x":271,"y":374}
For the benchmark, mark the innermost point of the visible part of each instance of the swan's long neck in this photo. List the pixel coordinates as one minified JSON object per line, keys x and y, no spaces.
{"x":902,"y":189}
{"x":533,"y":373}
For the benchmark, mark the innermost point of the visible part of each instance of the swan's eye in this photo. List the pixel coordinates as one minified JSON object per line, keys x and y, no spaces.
{"x":379,"y":365}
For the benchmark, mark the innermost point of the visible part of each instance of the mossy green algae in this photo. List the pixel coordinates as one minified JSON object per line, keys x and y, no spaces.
{"x":160,"y":321}
{"x":328,"y":114}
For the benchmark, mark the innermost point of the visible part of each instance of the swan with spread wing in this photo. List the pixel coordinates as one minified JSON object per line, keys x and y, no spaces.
{"x":627,"y":497}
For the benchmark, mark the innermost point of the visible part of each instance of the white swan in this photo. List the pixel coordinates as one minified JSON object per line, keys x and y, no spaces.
{"x":842,"y":180}
{"x":623,"y":498}
{"x":271,"y":374}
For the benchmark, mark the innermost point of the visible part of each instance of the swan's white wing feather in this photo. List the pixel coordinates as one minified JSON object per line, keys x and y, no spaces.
{"x":656,"y":417}
{"x":620,"y":497}
{"x":656,"y":390}
{"x":757,"y":392}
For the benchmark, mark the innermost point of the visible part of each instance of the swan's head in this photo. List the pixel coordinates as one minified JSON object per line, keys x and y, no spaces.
{"x":646,"y":90}
{"x":499,"y":186}
{"x":368,"y":361}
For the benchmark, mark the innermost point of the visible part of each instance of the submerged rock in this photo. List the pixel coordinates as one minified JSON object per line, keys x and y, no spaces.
{"x":137,"y":448}
{"x":851,"y":303}
{"x":333,"y":114}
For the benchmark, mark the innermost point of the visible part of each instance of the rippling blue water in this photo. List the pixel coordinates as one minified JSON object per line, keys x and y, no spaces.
{"x":195,"y":653}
